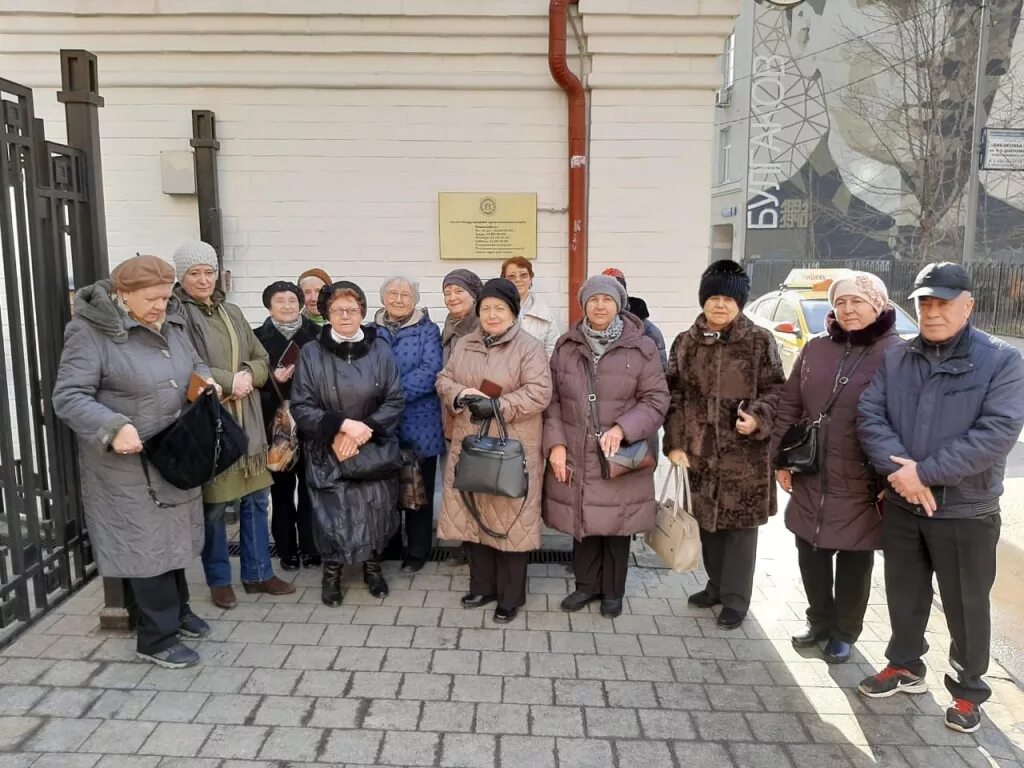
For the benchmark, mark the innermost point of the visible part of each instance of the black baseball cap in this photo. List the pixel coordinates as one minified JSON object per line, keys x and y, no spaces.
{"x":943,"y":280}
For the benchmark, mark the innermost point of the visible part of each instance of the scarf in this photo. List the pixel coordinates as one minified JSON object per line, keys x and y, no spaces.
{"x":599,"y":341}
{"x":339,"y":339}
{"x":394,"y":325}
{"x":248,"y":411}
{"x":318,"y":319}
{"x":454,"y":329}
{"x":288,"y":329}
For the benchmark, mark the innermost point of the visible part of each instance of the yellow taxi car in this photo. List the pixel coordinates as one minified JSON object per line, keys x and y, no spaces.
{"x":797,"y":311}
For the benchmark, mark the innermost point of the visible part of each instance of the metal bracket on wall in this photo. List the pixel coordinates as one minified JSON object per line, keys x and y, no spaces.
{"x":204,"y":142}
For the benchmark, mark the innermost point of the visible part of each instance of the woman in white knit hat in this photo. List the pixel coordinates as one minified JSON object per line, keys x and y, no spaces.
{"x":240,"y":365}
{"x":832,"y":512}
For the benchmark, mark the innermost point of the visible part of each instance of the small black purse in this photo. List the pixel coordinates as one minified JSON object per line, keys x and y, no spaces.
{"x":199,"y":445}
{"x":495,"y":466}
{"x":798,"y":449}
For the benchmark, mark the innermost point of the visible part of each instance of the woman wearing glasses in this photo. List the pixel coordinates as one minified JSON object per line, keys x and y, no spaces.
{"x":416,"y":344}
{"x":347,"y":402}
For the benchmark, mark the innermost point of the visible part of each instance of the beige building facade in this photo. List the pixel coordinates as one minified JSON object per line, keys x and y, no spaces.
{"x":340,"y":121}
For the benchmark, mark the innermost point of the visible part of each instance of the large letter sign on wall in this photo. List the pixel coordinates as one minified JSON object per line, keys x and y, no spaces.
{"x":766,"y":96}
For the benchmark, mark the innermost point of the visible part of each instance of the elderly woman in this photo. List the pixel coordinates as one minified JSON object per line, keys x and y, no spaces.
{"x":347,"y":402}
{"x":724,"y":377}
{"x":310,"y":283}
{"x":832,"y":513}
{"x":239,"y":364}
{"x":606,"y":355}
{"x":535,"y":316}
{"x":416,"y":344}
{"x":511,"y":365}
{"x":461,"y":289}
{"x":123,"y":378}
{"x":287,"y":326}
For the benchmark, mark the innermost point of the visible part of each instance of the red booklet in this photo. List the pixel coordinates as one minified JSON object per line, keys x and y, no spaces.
{"x":290,"y":356}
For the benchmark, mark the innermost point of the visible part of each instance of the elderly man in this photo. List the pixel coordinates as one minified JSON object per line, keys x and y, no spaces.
{"x":938,"y":422}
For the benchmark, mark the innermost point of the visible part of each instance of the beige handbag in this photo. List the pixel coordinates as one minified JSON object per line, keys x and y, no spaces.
{"x":675,"y":537}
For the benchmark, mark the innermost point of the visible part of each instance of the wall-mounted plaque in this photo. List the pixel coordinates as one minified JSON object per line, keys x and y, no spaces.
{"x":482,"y":226}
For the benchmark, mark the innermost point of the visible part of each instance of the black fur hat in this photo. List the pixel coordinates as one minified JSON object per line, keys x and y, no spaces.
{"x":725,"y":278}
{"x":281,"y":286}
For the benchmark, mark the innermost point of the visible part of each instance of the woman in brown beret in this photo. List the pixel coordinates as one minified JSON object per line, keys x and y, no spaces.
{"x":123,"y":377}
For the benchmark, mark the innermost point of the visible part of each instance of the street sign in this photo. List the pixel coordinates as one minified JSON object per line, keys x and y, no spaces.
{"x":1002,"y":149}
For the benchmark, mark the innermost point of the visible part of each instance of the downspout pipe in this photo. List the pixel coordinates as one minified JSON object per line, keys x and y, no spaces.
{"x":557,"y":62}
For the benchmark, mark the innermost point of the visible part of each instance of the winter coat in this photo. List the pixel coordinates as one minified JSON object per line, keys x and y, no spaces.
{"x":835,"y":508}
{"x":275,"y":343}
{"x":638,"y":307}
{"x":417,"y":350}
{"x":632,"y":393}
{"x":208,"y":330}
{"x":515,"y":362}
{"x":709,"y":375}
{"x":115,"y":371}
{"x":333,"y":382}
{"x":956,"y":409}
{"x":451,"y":333}
{"x":537,"y":319}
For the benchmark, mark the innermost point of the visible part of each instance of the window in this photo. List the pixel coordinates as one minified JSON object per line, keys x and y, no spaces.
{"x":729,"y":61}
{"x":724,"y":155}
{"x":765,"y":307}
{"x":786,"y":313}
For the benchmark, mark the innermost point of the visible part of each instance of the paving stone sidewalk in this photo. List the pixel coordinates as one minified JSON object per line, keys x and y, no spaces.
{"x":416,"y":680}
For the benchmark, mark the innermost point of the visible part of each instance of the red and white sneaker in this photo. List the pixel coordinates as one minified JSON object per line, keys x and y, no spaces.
{"x":963,"y":716}
{"x":890,"y":681}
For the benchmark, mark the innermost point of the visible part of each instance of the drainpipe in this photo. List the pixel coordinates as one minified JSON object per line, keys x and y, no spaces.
{"x":557,"y":17}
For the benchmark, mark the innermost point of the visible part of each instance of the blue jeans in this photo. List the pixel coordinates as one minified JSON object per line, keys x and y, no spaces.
{"x":253,"y":535}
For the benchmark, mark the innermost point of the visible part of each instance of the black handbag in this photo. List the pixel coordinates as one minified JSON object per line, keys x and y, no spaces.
{"x":379,"y":459}
{"x":798,"y":449}
{"x":200,"y":444}
{"x":495,"y":466}
{"x":630,"y":457}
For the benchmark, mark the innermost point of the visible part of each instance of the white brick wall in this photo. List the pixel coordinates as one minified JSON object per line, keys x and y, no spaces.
{"x":341,"y":120}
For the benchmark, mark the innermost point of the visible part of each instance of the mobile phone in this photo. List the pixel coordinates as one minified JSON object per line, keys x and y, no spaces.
{"x":490,"y":389}
{"x":568,"y":475}
{"x":741,"y":405}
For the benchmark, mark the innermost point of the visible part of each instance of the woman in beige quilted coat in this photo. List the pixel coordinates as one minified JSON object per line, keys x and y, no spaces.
{"x":501,"y":353}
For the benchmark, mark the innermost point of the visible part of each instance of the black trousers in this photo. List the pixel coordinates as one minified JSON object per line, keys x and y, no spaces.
{"x":836,"y":602}
{"x":287,"y":517}
{"x":160,"y":603}
{"x":729,"y":559}
{"x":418,"y":523}
{"x":600,"y":564}
{"x":494,"y":572}
{"x":961,"y":553}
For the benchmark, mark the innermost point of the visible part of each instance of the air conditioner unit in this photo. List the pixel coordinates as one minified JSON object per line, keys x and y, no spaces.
{"x":723,"y":98}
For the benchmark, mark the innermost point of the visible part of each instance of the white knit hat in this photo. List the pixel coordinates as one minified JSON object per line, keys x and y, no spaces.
{"x":863,"y":284}
{"x":194,"y":253}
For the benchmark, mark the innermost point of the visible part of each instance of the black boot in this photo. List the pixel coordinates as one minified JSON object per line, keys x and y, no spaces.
{"x":374,"y":579}
{"x":330,"y":592}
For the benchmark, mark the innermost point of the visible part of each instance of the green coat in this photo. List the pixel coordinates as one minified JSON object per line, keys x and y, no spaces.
{"x":213,"y":341}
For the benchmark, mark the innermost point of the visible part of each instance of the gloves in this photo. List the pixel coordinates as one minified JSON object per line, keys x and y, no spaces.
{"x":481,"y":408}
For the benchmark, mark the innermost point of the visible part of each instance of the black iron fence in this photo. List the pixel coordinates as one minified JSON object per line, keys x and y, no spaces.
{"x":45,"y":221}
{"x":998,"y":287}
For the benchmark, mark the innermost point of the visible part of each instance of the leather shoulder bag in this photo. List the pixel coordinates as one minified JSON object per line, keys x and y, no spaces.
{"x":798,"y":450}
{"x":631,"y":457}
{"x":495,"y":466}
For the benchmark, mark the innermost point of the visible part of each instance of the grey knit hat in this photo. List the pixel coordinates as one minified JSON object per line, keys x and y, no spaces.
{"x":605,"y":284}
{"x":194,"y":253}
{"x":413,"y":283}
{"x":468,"y":281}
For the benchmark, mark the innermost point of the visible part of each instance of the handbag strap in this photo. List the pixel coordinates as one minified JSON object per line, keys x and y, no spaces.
{"x":470,"y":502}
{"x":485,"y":425}
{"x":682,"y":478}
{"x":592,"y":398}
{"x":840,"y":382}
{"x":149,"y":485}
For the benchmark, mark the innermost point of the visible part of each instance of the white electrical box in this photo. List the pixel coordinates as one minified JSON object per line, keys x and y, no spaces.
{"x":177,"y":172}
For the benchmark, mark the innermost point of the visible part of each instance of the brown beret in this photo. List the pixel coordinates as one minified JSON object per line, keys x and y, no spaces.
{"x":142,"y":272}
{"x":315,"y":272}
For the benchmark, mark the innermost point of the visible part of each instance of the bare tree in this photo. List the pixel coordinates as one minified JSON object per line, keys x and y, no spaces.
{"x":915,"y":106}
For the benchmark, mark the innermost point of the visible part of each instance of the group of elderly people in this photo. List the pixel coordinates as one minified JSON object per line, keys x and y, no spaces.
{"x":912,"y":443}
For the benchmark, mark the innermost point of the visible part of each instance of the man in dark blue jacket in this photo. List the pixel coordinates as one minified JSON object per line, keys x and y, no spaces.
{"x":938,"y":422}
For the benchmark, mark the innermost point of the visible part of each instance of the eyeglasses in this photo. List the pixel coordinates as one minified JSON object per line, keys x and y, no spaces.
{"x":398,"y":295}
{"x":344,"y":312}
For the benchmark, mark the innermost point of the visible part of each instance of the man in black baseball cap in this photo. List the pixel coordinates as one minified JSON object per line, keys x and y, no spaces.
{"x":938,"y":421}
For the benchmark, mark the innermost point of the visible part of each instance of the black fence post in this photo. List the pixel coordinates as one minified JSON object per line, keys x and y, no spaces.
{"x":204,"y":141}
{"x":80,"y":95}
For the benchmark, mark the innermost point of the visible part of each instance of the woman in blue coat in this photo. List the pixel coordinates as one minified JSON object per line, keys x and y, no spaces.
{"x":416,"y":344}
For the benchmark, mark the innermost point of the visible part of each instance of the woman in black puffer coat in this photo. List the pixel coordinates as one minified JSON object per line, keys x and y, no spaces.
{"x":347,"y":401}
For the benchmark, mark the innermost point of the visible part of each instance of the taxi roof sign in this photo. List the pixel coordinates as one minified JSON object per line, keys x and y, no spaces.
{"x":814,"y":279}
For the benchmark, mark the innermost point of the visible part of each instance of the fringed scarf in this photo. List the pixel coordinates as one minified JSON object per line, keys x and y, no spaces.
{"x":599,"y":341}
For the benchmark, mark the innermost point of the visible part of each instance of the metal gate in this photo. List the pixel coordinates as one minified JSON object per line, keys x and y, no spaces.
{"x":45,"y":228}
